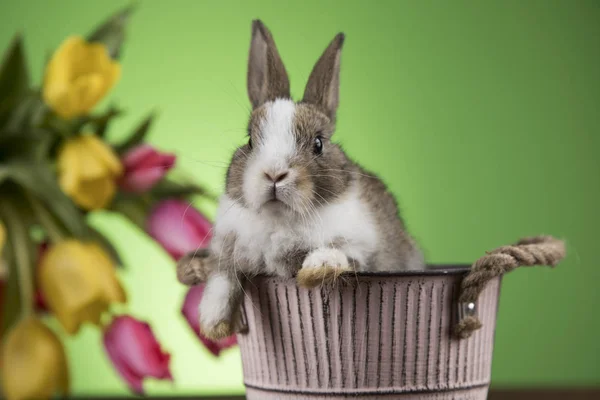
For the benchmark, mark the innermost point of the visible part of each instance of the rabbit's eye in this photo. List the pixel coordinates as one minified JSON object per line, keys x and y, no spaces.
{"x":250,"y":142}
{"x":318,"y":145}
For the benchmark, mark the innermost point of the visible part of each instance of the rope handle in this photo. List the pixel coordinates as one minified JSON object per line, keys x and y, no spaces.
{"x":527,"y":252}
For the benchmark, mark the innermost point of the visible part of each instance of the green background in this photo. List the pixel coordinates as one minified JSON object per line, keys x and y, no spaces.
{"x":483,"y":118}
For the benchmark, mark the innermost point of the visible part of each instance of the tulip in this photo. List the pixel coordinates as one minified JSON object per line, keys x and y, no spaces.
{"x":79,"y":283}
{"x":135,"y":352}
{"x":78,"y":76}
{"x":178,"y":227}
{"x":88,"y":170}
{"x":190,"y":311}
{"x":34,"y":365}
{"x":144,"y":167}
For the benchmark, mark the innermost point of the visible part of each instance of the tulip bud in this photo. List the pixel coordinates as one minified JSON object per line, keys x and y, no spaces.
{"x":79,"y":283}
{"x":191,"y":312}
{"x":135,"y":352}
{"x":34,"y":365}
{"x":88,"y":170}
{"x":144,"y":167}
{"x":178,"y":227}
{"x":78,"y":76}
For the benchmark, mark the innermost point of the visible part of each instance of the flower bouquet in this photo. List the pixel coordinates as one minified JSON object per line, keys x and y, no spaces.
{"x":56,"y":167}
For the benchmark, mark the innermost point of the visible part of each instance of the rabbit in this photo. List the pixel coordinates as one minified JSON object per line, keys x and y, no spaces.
{"x":295,"y":204}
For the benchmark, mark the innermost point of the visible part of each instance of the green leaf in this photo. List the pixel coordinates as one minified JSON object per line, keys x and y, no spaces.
{"x":29,"y":145}
{"x":52,"y":229}
{"x":131,"y":208}
{"x":100,"y":123}
{"x":27,"y":112}
{"x":40,"y":180}
{"x":97,"y":124}
{"x":103,"y":241}
{"x":167,"y":188}
{"x":4,"y":173}
{"x":112,"y":32}
{"x":11,"y":301}
{"x":14,"y":77}
{"x":21,"y":252}
{"x":137,"y":136}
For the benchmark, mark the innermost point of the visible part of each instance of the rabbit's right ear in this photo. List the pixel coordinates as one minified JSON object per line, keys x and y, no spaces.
{"x":267,"y":77}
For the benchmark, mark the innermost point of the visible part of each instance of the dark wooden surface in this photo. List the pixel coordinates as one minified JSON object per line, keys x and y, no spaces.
{"x":496,"y":394}
{"x":545,"y":394}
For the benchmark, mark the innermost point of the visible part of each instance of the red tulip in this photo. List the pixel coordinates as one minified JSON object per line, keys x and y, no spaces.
{"x":135,"y":352}
{"x":144,"y":167}
{"x":178,"y":227}
{"x":190,"y":311}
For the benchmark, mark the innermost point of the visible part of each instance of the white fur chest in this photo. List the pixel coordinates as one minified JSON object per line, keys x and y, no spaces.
{"x":259,"y":237}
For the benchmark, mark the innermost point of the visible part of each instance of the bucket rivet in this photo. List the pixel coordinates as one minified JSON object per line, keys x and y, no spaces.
{"x":467,"y":310}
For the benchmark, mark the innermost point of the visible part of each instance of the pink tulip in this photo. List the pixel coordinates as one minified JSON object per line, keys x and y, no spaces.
{"x":191,"y":313}
{"x":135,"y":352}
{"x":178,"y":227}
{"x":144,"y":167}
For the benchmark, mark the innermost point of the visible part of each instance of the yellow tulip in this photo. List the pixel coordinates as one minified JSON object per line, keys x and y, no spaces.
{"x":34,"y":365}
{"x":78,"y":76}
{"x":88,"y":170}
{"x":79,"y":283}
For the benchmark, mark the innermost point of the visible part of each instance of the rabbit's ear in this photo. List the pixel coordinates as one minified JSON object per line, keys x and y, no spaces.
{"x":267,"y":78}
{"x":323,"y":87}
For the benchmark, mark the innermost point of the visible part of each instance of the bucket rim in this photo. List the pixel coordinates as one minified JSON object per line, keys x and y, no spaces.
{"x":432,"y":270}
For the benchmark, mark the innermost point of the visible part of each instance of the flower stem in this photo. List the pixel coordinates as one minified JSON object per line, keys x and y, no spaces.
{"x":54,"y":232}
{"x":134,"y":211}
{"x":19,"y":239}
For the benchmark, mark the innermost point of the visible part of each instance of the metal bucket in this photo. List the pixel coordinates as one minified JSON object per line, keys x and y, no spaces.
{"x":373,"y":336}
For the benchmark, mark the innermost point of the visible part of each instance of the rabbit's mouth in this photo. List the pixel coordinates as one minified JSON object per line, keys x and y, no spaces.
{"x":276,"y":206}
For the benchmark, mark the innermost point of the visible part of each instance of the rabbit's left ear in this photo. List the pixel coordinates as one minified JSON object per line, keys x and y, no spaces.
{"x":323,"y":87}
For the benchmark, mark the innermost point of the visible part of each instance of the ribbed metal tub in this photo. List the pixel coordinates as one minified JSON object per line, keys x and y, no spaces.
{"x":371,"y":336}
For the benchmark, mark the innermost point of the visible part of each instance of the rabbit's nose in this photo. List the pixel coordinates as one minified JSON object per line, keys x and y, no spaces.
{"x":276,"y":178}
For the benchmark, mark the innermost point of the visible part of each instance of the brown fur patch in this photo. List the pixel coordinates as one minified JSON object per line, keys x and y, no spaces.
{"x":257,"y":117}
{"x":326,"y":172}
{"x":235,"y":173}
{"x":291,"y":260}
{"x":317,"y":276}
{"x":397,"y":249}
{"x":217,"y":332}
{"x":194,"y":267}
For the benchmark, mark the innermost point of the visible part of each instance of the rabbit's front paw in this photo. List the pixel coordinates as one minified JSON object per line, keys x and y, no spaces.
{"x":194,"y":268}
{"x":218,"y":307}
{"x":218,"y":331}
{"x":322,"y":266}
